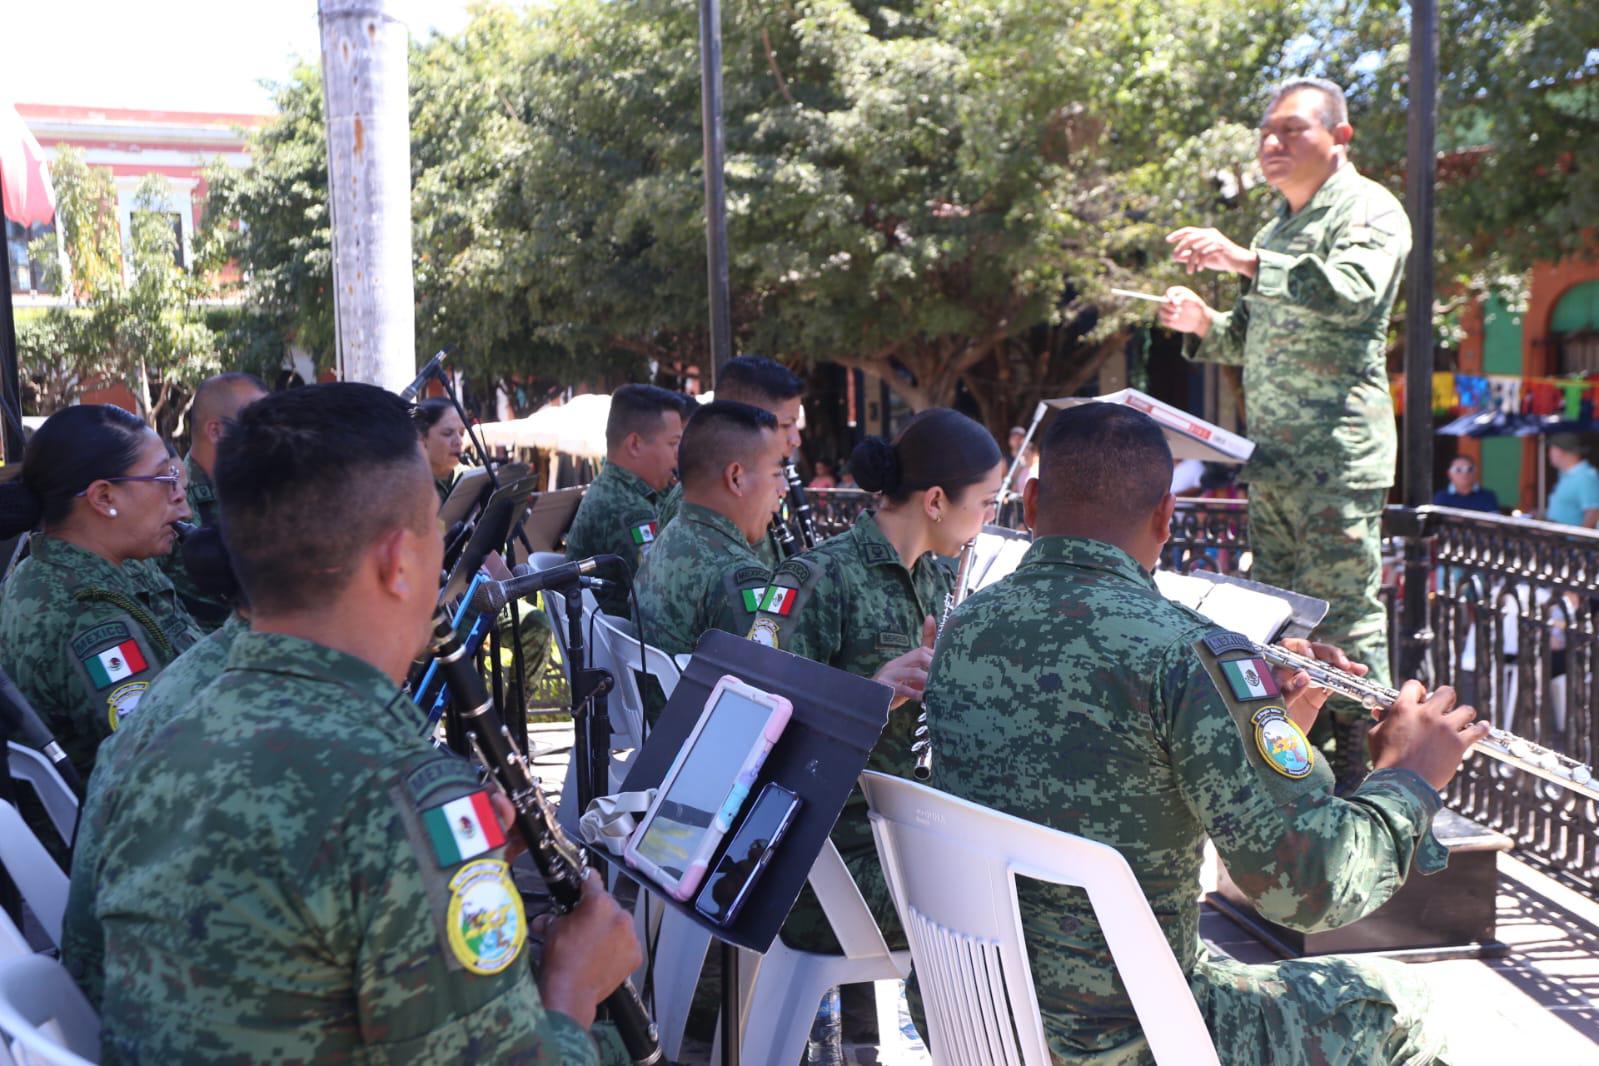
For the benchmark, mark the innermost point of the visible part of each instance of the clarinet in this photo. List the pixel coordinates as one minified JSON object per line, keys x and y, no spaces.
{"x":799,"y":506}
{"x":562,"y":864}
{"x":1498,"y":744}
{"x":922,"y":738}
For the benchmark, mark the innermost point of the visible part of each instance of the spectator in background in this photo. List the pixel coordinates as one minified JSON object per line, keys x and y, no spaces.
{"x":1465,"y":490}
{"x":1575,"y":499}
{"x":823,"y":477}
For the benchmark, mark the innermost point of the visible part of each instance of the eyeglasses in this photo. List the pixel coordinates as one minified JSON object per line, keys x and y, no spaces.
{"x":172,"y":479}
{"x":1462,"y":470}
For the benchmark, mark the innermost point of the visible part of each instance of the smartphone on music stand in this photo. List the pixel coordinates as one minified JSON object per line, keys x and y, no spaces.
{"x":706,"y":786}
{"x":747,"y":854}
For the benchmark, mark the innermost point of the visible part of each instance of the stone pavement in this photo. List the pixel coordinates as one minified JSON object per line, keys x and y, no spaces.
{"x":1541,"y":1000}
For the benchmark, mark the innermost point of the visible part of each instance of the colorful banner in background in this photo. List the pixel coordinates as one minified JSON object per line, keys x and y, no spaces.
{"x":1573,"y":399}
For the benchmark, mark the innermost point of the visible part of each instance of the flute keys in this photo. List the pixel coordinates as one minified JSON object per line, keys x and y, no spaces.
{"x":1521,"y":749}
{"x":1581,"y":775}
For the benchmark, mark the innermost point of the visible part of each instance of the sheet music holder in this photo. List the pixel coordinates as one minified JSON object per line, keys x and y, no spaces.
{"x":493,"y":529}
{"x":472,"y":488}
{"x":1263,"y":613}
{"x":546,"y":521}
{"x":837,"y":720}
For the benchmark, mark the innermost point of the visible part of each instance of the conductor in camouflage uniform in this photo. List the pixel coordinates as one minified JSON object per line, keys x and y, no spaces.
{"x":86,"y":623}
{"x":868,"y":601}
{"x":217,"y":402}
{"x":619,"y":513}
{"x":1311,"y":333}
{"x":703,"y":572}
{"x":288,"y":871}
{"x":771,"y":386}
{"x":1073,"y":694}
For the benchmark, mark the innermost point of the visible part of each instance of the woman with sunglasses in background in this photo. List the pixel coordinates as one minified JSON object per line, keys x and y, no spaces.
{"x":85,"y":625}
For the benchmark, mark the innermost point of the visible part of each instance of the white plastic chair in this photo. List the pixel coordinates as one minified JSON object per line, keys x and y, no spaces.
{"x":42,"y":883}
{"x":779,"y":992}
{"x":44,"y":1016}
{"x":59,"y":801}
{"x":952,"y":868}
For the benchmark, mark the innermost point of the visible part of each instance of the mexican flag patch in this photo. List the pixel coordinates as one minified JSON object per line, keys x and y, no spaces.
{"x":643,"y":533}
{"x":463,"y":829}
{"x":115,"y":663}
{"x":1250,"y":679}
{"x":778,"y":601}
{"x":752,"y":598}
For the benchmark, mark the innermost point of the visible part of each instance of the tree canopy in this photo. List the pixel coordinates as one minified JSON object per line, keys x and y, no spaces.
{"x":937,"y":191}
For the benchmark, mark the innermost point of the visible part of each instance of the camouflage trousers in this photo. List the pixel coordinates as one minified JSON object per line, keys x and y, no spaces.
{"x":1319,"y":1012}
{"x":1328,"y":544}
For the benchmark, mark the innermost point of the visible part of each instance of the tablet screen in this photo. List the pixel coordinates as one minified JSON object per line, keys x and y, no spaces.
{"x":701,"y":785}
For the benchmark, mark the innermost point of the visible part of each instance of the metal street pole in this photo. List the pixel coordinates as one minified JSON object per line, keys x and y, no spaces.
{"x":715,"y":187}
{"x":1420,"y":174}
{"x":365,"y":89}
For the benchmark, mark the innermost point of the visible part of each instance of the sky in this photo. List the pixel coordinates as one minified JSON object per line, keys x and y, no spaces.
{"x":185,"y":55}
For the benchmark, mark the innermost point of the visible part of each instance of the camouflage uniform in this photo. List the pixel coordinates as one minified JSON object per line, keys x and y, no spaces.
{"x":1072,"y":694}
{"x":208,"y":612}
{"x":700,"y":575}
{"x":672,"y":500}
{"x":1311,"y":333}
{"x":83,"y":639}
{"x":279,"y":879}
{"x":855,"y":606}
{"x":82,"y":944}
{"x":617,"y":517}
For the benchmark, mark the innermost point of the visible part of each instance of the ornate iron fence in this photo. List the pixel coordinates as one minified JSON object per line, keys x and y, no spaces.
{"x":1513,"y":625}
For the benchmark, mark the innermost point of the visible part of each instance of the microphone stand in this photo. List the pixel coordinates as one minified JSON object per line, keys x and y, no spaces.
{"x":591,"y":719}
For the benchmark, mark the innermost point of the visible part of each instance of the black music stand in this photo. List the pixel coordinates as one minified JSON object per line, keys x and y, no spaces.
{"x":837,"y":720}
{"x":546,"y":522}
{"x":494,"y":528}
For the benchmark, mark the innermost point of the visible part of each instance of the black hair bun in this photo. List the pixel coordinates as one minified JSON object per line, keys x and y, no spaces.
{"x":875,"y":464}
{"x":20,"y":509}
{"x":205,"y":557}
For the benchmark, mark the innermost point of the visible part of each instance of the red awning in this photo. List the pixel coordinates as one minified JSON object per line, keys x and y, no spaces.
{"x":29,"y":198}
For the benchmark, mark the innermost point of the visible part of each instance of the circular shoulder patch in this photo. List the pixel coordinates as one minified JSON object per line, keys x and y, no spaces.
{"x":764,"y":631}
{"x":486,"y":924}
{"x":1283,"y":744}
{"x":123,"y":701}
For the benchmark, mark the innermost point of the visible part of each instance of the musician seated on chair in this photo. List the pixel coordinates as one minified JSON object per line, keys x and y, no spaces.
{"x":1073,"y":695}
{"x":288,"y":870}
{"x":703,"y":572}
{"x":619,"y":512}
{"x":771,"y":386}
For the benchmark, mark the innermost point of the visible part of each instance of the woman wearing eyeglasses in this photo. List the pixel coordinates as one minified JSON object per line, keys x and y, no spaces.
{"x":85,"y":626}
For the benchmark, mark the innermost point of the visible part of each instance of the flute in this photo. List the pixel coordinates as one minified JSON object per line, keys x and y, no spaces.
{"x":1498,"y":744}
{"x":562,"y":864}
{"x":921,"y":738}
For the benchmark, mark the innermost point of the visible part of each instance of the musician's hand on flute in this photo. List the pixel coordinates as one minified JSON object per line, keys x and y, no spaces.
{"x":1201,"y":248}
{"x":1427,"y":734}
{"x":1184,"y":311}
{"x":588,"y":953}
{"x":907,"y":674}
{"x":1302,"y":699}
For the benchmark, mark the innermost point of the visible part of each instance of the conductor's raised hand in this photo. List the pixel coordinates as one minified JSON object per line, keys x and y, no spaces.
{"x":588,"y":953}
{"x":907,"y":674}
{"x":1184,"y":311}
{"x":1201,"y":248}
{"x":1427,"y":734}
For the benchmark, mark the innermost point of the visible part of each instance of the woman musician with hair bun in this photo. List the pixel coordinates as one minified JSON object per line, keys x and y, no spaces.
{"x":85,"y":624}
{"x":868,"y":600}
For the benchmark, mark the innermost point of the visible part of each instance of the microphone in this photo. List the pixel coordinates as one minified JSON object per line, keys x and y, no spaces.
{"x":408,"y":394}
{"x":493,"y":595}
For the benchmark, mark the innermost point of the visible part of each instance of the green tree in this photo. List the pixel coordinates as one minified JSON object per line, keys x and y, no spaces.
{"x":134,"y":318}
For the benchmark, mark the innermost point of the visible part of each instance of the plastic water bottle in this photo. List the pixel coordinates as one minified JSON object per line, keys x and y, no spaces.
{"x":826,"y":1045}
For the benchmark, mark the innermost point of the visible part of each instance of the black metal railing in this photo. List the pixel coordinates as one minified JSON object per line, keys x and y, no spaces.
{"x":1513,"y":625}
{"x":1513,"y":622}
